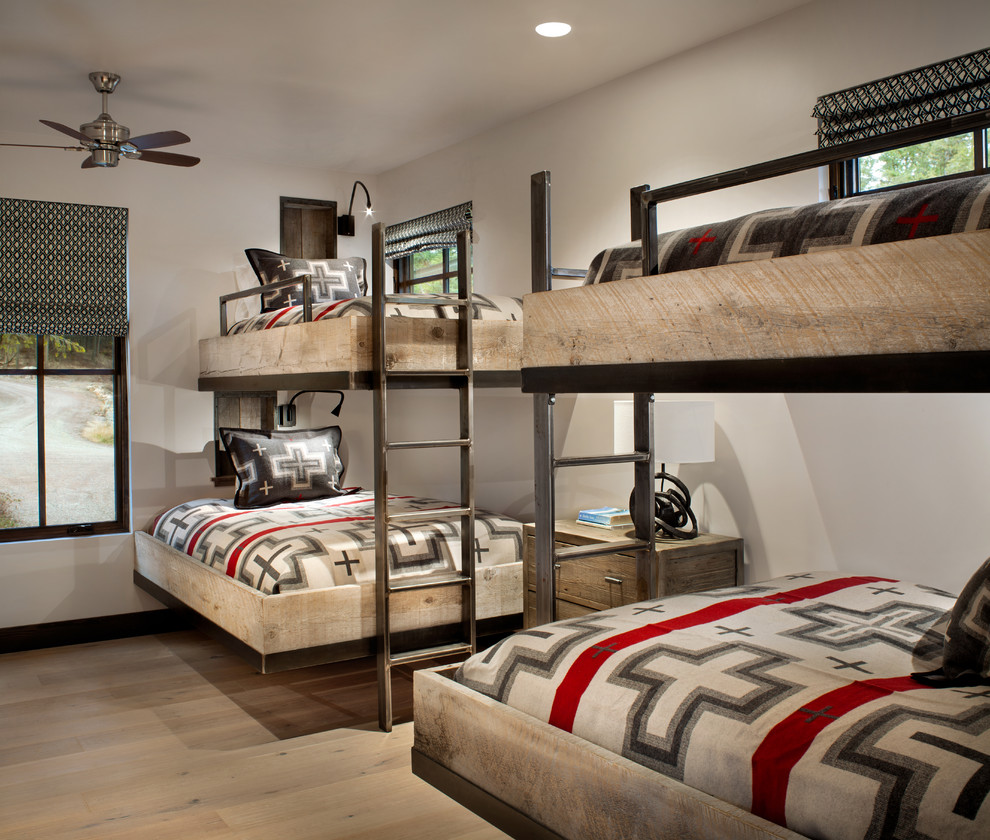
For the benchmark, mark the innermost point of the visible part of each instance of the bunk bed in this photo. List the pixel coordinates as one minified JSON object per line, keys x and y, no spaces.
{"x":509,"y":734}
{"x":321,"y":595}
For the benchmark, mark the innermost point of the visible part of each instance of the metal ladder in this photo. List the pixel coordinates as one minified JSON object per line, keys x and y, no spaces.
{"x":460,"y":378}
{"x":546,"y":463}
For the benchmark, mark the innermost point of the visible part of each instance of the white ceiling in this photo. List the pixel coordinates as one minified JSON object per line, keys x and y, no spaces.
{"x":353,"y":85}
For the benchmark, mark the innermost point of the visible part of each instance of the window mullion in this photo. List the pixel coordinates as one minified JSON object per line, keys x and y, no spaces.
{"x":40,"y":413}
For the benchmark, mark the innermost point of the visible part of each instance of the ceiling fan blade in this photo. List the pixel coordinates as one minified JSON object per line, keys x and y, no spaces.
{"x":70,"y":131}
{"x":169,"y":158}
{"x":88,"y":163}
{"x":159,"y":139}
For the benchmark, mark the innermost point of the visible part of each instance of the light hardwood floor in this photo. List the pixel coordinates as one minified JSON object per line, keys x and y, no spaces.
{"x":172,"y":736}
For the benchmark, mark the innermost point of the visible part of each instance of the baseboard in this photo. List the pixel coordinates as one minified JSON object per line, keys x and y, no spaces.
{"x":83,"y":630}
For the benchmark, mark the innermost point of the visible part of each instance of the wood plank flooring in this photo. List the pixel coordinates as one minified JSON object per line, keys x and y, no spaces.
{"x":172,"y":736}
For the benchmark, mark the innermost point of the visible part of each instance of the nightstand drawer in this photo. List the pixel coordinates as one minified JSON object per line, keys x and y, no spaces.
{"x":697,"y":574}
{"x":586,"y":584}
{"x":598,"y":582}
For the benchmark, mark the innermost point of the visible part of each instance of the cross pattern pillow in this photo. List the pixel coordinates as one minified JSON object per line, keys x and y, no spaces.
{"x":339,"y":279}
{"x":274,"y":467}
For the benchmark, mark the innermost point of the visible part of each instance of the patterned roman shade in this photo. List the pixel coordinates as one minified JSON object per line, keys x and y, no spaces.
{"x":435,"y":230}
{"x":63,"y":268}
{"x":947,"y":89}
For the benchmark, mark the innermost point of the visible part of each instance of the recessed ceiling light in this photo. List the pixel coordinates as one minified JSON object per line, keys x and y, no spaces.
{"x":553,"y":29}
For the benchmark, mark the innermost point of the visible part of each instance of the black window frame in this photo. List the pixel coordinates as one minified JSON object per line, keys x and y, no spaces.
{"x":121,"y":522}
{"x":844,"y":175}
{"x":402,"y":272}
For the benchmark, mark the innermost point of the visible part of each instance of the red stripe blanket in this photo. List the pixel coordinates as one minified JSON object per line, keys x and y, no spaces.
{"x":328,"y":542}
{"x":792,"y":699}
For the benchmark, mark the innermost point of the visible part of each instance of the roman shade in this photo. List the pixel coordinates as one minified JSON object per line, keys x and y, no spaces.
{"x":946,"y":89}
{"x":435,"y":230}
{"x":63,"y":268}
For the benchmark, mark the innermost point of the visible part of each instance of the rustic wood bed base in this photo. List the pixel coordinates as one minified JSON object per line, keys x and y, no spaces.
{"x":337,"y":353}
{"x":293,"y":629}
{"x":532,"y":780}
{"x":922,"y":306}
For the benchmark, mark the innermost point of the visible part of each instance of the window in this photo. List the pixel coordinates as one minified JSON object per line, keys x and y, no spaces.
{"x":935,"y":160}
{"x":63,"y":416}
{"x":424,"y":250}
{"x":956,"y":89}
{"x":62,"y":420}
{"x":433,"y":270}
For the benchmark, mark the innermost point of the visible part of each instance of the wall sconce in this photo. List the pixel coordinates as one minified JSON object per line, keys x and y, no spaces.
{"x":286,"y":413}
{"x":345,"y":224}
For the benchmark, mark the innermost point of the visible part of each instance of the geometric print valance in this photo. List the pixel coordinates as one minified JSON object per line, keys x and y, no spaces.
{"x":63,"y":268}
{"x":946,"y":89}
{"x":435,"y":230}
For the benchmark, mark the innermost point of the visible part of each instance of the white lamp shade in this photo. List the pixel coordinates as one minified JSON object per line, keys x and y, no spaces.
{"x":684,"y":430}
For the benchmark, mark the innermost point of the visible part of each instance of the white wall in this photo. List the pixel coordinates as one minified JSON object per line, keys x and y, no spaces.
{"x":895,"y":484}
{"x":188,"y":229}
{"x":889,"y":484}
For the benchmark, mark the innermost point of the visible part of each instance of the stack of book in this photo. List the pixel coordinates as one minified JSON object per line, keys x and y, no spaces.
{"x":606,"y":517}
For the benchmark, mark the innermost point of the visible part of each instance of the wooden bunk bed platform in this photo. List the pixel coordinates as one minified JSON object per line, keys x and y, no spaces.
{"x":910,"y":315}
{"x":337,"y":353}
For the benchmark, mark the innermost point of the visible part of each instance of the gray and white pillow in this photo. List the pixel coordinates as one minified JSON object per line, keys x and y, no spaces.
{"x":967,"y":639}
{"x":276,"y":466}
{"x":338,"y":279}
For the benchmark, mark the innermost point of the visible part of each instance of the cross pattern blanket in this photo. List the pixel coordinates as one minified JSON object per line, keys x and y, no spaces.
{"x":954,"y":206}
{"x":484,"y":308}
{"x":328,"y":542}
{"x":792,"y":699}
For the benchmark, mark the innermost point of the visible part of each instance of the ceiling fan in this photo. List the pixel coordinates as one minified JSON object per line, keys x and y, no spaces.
{"x":107,"y":140}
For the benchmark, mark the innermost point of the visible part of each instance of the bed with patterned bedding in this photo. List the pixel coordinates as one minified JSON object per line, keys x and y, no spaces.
{"x":330,"y":345}
{"x":484,"y":308}
{"x":300,"y":575}
{"x":899,"y":273}
{"x":764,"y":710}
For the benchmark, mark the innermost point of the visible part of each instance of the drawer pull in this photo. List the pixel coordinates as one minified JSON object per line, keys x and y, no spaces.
{"x":613,"y":579}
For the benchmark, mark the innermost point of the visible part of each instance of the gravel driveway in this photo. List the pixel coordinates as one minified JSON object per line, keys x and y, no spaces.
{"x":79,"y":474}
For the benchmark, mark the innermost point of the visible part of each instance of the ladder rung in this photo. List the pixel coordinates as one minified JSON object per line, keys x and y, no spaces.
{"x":460,"y":580}
{"x":430,"y":653}
{"x":598,"y":460}
{"x":575,"y":551}
{"x":421,"y":300}
{"x":421,"y":373}
{"x":432,"y":513}
{"x":427,"y":444}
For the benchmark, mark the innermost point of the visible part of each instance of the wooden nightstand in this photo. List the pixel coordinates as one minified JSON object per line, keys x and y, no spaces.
{"x":597,"y":583}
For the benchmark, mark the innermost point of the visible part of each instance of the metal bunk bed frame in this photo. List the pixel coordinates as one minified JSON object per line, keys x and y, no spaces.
{"x":380,"y":379}
{"x":931,"y":372}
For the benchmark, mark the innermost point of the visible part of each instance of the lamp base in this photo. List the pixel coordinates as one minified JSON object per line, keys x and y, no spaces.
{"x":345,"y":226}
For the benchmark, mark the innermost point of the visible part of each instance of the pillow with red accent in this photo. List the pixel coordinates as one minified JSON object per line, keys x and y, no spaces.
{"x":275,"y":466}
{"x":339,"y":279}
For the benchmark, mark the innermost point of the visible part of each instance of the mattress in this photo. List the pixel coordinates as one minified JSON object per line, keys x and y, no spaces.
{"x":792,"y":699}
{"x":945,"y":207}
{"x":327,"y":543}
{"x":484,"y":308}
